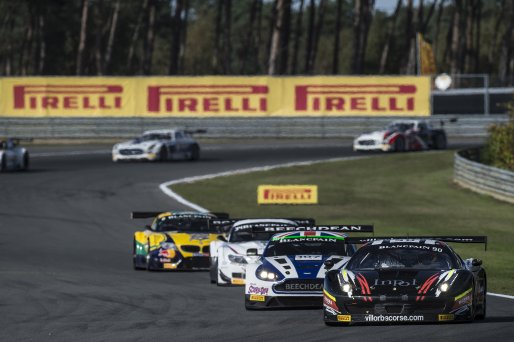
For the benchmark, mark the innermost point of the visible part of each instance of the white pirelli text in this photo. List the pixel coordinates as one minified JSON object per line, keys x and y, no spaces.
{"x":399,"y":318}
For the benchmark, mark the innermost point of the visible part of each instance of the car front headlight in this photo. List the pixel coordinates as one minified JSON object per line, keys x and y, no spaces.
{"x":345,"y":286}
{"x":151,"y":147}
{"x":116,"y":147}
{"x":237,"y":259}
{"x":168,"y":245}
{"x":444,"y":287}
{"x":266,"y":275}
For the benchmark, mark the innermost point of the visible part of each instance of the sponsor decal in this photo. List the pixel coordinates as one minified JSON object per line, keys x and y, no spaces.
{"x":198,"y":237}
{"x":329,"y":303}
{"x":194,"y":99}
{"x":167,"y":253}
{"x":395,"y":318}
{"x":303,"y":287}
{"x":465,"y":298}
{"x":257,"y":298}
{"x":445,"y":317}
{"x":238,"y":281}
{"x":308,"y":239}
{"x":164,"y":260}
{"x":287,"y":194}
{"x":169,"y":266}
{"x":365,"y":291}
{"x":426,"y":248}
{"x":258,"y":290}
{"x":344,"y":318}
{"x":67,"y":97}
{"x":395,"y":282}
{"x":339,"y":228}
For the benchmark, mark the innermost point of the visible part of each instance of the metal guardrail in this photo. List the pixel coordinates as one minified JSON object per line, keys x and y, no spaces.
{"x":482,"y":178}
{"x":229,"y":127}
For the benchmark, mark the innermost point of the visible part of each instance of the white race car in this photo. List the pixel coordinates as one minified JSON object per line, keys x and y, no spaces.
{"x":159,"y":145}
{"x":13,"y":156}
{"x":403,"y":135}
{"x":246,"y":240}
{"x":292,"y":268}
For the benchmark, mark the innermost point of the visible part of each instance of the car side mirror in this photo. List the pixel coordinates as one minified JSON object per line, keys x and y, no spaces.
{"x":476,"y":262}
{"x":222,"y":238}
{"x":328,"y":264}
{"x":252,"y":252}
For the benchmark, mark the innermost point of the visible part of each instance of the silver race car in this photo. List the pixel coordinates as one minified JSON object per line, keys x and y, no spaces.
{"x":159,"y":145}
{"x":13,"y":156}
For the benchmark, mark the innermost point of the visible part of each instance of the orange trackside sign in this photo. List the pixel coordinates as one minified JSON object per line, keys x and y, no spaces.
{"x":287,"y":194}
{"x":214,"y":96}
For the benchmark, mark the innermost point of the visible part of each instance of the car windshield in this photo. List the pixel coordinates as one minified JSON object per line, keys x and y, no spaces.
{"x":399,"y":126}
{"x":155,"y":136}
{"x":308,"y":246}
{"x":402,"y":258}
{"x":249,"y":235}
{"x":183,"y":224}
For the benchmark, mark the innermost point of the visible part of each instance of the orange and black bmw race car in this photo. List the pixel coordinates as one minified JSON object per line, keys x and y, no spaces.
{"x":176,"y":240}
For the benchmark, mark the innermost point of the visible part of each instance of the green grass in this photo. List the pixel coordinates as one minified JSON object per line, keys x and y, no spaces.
{"x":400,"y":194}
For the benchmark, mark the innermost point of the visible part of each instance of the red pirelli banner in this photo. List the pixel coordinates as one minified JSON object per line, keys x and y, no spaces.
{"x":214,"y":96}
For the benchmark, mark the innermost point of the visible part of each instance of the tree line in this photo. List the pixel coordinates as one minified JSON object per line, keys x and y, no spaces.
{"x":253,"y":37}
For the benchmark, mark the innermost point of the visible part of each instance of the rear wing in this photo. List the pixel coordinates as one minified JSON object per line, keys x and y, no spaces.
{"x":456,"y":239}
{"x":152,"y":214}
{"x":224,"y":224}
{"x":328,"y":228}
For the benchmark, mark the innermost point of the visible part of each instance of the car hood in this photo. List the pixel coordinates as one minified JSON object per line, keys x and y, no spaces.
{"x":398,"y":282}
{"x":377,"y":135}
{"x":133,"y":144}
{"x":303,"y":266}
{"x":243,"y":247}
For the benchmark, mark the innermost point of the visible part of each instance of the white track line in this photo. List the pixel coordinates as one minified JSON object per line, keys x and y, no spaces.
{"x":165,"y":187}
{"x":500,"y":295}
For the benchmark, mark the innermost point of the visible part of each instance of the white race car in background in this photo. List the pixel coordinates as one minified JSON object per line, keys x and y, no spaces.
{"x":246,"y":240}
{"x":13,"y":156}
{"x":403,"y":135}
{"x":159,"y":145}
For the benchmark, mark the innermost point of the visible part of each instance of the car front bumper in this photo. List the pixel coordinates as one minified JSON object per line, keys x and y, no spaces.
{"x":373,"y":310}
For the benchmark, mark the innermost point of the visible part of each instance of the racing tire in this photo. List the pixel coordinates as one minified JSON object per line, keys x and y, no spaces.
{"x":399,"y":145}
{"x":26,"y":161}
{"x":3,"y":166}
{"x":440,"y":142}
{"x":195,"y":153}
{"x":134,"y":258}
{"x":213,"y":272}
{"x":163,"y":154}
{"x":483,"y":311}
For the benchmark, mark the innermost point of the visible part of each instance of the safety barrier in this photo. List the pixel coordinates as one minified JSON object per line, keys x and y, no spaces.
{"x":229,"y":127}
{"x":484,"y":179}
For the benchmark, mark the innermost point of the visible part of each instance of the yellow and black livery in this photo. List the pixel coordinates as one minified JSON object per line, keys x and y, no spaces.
{"x":176,"y":240}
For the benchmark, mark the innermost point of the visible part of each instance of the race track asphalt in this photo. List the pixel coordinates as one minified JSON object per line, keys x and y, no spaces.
{"x":66,"y":271}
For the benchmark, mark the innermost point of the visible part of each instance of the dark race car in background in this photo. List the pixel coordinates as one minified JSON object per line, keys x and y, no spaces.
{"x":403,"y":135}
{"x":400,"y":280}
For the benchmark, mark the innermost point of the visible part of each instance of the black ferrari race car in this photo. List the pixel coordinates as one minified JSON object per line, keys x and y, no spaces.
{"x":411,"y":279}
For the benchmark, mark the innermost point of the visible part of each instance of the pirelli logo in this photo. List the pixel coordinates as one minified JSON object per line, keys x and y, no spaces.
{"x":208,"y":99}
{"x":287,"y":194}
{"x":212,"y":96}
{"x":67,"y":96}
{"x":364,"y":98}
